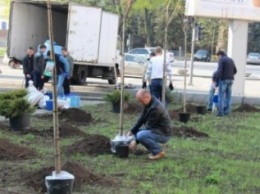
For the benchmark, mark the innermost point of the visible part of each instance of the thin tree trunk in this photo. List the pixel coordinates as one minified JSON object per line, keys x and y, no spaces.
{"x":148,"y":27}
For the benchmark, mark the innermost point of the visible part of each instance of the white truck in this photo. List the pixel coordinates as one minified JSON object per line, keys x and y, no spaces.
{"x":89,"y":33}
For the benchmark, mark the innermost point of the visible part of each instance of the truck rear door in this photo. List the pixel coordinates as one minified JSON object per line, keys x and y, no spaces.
{"x":84,"y":33}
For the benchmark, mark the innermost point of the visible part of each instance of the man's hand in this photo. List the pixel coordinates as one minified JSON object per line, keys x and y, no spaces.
{"x":28,"y":75}
{"x":42,"y":77}
{"x":133,"y":145}
{"x":144,"y":85}
{"x":129,"y":133}
{"x":171,"y":87}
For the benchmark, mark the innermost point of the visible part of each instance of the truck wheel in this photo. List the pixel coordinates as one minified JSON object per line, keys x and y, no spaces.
{"x":12,"y":64}
{"x":81,"y":75}
{"x":112,"y":81}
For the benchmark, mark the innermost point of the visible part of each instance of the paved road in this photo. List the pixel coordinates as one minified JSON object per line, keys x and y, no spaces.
{"x":14,"y":78}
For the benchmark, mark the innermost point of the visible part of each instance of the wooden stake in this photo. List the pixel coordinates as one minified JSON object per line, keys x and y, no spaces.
{"x":54,"y":89}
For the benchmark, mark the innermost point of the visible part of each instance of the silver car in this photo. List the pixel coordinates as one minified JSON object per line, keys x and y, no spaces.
{"x":253,"y":58}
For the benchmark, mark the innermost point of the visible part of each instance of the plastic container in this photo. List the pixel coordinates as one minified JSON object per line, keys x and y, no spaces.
{"x":49,"y":105}
{"x":49,"y":94}
{"x":74,"y":101}
{"x":61,"y":184}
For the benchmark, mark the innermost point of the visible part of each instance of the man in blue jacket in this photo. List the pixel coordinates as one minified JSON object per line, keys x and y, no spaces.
{"x":226,"y":71}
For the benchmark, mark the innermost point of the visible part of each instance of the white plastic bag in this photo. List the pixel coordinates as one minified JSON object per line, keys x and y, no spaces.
{"x":42,"y":102}
{"x":33,"y":95}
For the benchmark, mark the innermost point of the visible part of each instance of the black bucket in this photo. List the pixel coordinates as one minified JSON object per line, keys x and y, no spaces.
{"x":201,"y":110}
{"x":116,"y":107}
{"x":184,"y":117}
{"x":59,"y":185}
{"x":20,"y":122}
{"x":120,"y":149}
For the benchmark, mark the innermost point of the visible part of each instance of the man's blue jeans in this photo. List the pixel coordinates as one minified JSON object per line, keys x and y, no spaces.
{"x":150,"y":140}
{"x":156,"y":88}
{"x":211,"y":95}
{"x":61,"y":79}
{"x":224,"y":97}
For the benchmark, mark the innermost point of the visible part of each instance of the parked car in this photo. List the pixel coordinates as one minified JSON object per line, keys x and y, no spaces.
{"x":135,"y":65}
{"x":202,"y":55}
{"x":145,"y":53}
{"x":253,"y":58}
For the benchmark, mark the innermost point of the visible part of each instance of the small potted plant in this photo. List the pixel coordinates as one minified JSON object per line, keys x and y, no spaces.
{"x":114,"y":98}
{"x":14,"y":106}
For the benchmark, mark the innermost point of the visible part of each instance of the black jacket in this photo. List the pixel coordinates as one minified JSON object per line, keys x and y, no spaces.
{"x":39,"y":63}
{"x":27,"y":64}
{"x":226,"y":68}
{"x":155,"y":118}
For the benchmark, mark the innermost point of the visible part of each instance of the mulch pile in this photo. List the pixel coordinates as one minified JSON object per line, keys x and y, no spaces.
{"x":188,"y":132}
{"x":11,"y":151}
{"x":66,"y":130}
{"x":76,"y":115}
{"x":246,"y":108}
{"x":133,"y":108}
{"x":92,"y":145}
{"x":82,"y":175}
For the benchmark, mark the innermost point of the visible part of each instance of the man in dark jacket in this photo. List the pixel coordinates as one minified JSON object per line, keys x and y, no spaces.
{"x":226,"y":71}
{"x":158,"y":128}
{"x":39,"y":66}
{"x":28,"y":66}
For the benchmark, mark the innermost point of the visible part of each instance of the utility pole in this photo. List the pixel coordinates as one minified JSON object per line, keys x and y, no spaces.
{"x":192,"y":52}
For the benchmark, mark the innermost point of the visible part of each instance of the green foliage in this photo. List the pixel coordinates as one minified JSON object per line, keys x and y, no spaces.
{"x":14,"y":104}
{"x":115,"y":97}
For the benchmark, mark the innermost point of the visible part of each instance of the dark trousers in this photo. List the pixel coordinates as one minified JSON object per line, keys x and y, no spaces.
{"x":38,"y":81}
{"x":156,"y":88}
{"x":28,"y":79}
{"x":66,"y":86}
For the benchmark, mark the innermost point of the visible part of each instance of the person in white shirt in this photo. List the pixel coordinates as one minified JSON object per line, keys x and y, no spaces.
{"x":155,"y":73}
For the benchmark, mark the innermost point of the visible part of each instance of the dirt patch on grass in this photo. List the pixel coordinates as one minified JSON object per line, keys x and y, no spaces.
{"x":66,"y":130}
{"x":76,"y":115}
{"x":189,"y":108}
{"x":92,"y":145}
{"x":11,"y":151}
{"x":82,"y":175}
{"x":133,"y":108}
{"x":185,"y":131}
{"x":246,"y":108}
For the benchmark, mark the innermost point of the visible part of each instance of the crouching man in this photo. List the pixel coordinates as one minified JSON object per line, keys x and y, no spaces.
{"x":157,"y":125}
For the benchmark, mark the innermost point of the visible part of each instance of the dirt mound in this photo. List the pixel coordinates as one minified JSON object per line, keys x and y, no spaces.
{"x":92,"y":145}
{"x":76,"y":115}
{"x":82,"y":176}
{"x":133,"y":108}
{"x":184,"y":131}
{"x":66,"y":130}
{"x":10,"y":151}
{"x":246,"y":108}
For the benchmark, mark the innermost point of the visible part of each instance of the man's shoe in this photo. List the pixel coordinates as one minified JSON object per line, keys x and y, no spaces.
{"x":157,"y":156}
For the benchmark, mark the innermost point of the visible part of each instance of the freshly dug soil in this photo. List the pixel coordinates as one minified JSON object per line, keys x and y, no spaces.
{"x":82,"y":175}
{"x":76,"y":115}
{"x":184,"y":131}
{"x":174,"y":114}
{"x":11,"y":151}
{"x":92,"y":145}
{"x":66,"y":130}
{"x":246,"y":108}
{"x":133,"y":108}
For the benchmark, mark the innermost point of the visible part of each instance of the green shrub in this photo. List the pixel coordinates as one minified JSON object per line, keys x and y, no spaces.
{"x":13,"y":104}
{"x":115,"y":96}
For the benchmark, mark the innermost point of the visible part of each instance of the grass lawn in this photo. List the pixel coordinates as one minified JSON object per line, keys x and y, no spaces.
{"x":2,"y":51}
{"x":227,"y":162}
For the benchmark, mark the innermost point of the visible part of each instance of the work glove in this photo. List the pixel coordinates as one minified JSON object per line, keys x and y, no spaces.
{"x":144,"y":85}
{"x":171,"y":87}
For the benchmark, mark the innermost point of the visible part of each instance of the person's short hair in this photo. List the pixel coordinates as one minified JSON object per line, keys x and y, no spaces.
{"x":64,"y":49}
{"x":220,"y":53}
{"x":158,"y":49}
{"x":43,"y":46}
{"x":30,"y":48}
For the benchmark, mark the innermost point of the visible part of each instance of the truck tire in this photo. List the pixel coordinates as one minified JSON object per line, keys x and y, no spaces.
{"x":80,"y":74}
{"x":13,"y":65}
{"x":112,"y":81}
